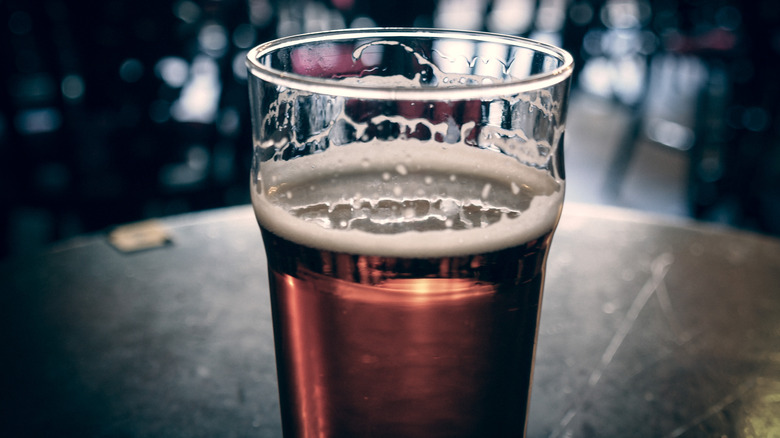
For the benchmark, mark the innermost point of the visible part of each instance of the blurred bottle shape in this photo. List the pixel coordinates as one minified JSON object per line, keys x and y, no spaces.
{"x":114,"y":112}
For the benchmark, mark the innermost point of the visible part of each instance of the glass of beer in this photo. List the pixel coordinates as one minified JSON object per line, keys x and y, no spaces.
{"x":407,"y":183}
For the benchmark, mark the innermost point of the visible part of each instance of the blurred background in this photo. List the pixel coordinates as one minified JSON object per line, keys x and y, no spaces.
{"x":117,"y":111}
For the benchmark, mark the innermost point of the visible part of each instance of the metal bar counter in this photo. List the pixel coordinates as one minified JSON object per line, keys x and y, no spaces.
{"x":651,"y":327}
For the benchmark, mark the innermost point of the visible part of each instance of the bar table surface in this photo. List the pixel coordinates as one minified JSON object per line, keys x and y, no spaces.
{"x":651,"y":327}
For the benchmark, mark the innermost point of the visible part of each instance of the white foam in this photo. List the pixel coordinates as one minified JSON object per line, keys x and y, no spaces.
{"x":413,"y":157}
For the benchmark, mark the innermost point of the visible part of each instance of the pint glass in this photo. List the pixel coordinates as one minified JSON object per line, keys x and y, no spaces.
{"x":407,"y":183}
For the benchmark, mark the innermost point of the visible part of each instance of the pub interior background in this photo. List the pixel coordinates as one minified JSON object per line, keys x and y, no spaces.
{"x":118,"y":111}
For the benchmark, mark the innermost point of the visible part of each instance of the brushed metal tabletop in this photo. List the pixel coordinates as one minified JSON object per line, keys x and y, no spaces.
{"x":651,"y":327}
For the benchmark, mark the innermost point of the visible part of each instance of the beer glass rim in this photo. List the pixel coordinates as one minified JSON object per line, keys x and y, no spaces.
{"x":452,"y":92}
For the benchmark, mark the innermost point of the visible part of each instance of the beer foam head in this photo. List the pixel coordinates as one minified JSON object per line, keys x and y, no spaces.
{"x":406,"y":199}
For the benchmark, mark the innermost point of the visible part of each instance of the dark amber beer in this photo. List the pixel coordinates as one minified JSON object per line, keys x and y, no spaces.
{"x":410,"y":347}
{"x":406,"y":233}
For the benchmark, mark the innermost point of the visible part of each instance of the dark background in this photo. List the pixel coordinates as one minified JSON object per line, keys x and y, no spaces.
{"x":117,"y":111}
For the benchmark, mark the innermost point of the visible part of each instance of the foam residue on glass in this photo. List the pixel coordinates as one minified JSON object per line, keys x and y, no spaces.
{"x":334,"y":120}
{"x":388,"y":170}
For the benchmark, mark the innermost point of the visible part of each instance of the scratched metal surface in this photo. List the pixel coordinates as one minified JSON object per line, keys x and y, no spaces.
{"x":650,"y":328}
